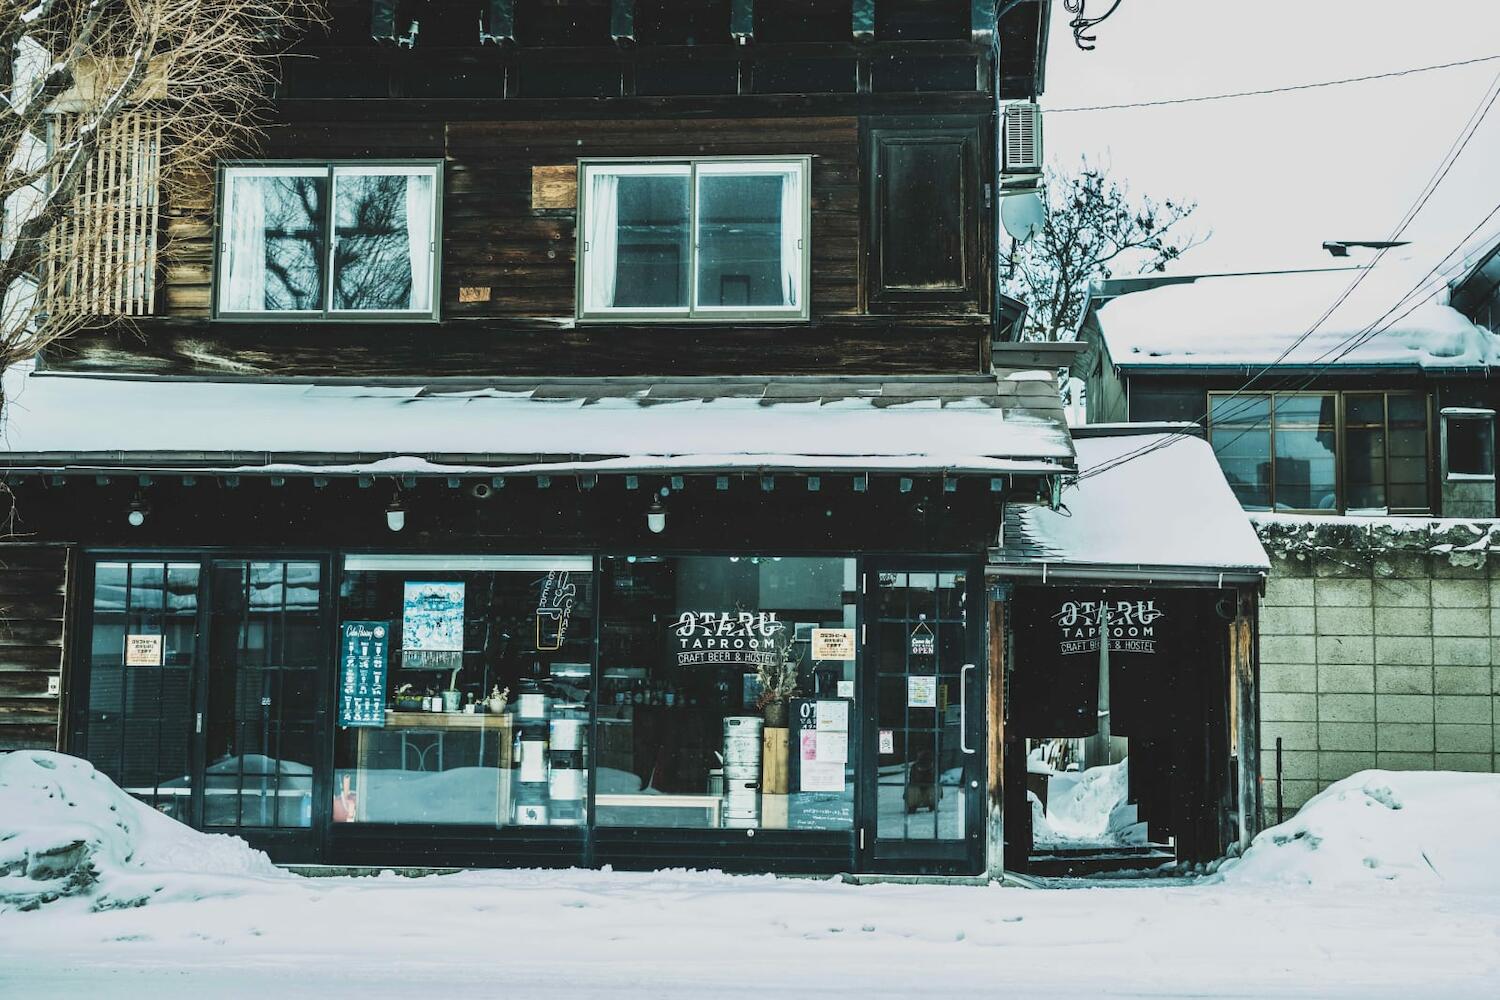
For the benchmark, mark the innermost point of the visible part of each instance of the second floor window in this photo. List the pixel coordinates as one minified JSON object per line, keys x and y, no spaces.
{"x":693,"y":239}
{"x":329,"y":239}
{"x":1323,"y":451}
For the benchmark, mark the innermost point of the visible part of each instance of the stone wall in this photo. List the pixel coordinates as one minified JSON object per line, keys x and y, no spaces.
{"x":1380,"y":647}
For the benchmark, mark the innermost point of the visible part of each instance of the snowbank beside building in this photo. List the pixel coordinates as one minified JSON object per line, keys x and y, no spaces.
{"x":1427,"y":828}
{"x":68,"y":831}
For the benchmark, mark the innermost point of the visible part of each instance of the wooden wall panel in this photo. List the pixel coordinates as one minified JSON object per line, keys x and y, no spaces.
{"x":33,"y":587}
{"x":493,"y":236}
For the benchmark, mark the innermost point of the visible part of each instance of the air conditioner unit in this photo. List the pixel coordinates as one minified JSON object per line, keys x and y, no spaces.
{"x":1021,"y":138}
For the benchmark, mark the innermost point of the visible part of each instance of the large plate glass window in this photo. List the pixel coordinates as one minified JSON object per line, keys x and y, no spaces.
{"x":695,"y":654}
{"x":463,"y":690}
{"x":694,"y":239}
{"x":329,"y":240}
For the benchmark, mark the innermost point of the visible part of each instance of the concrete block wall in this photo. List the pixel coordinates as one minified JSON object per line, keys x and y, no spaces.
{"x":1383,"y":655}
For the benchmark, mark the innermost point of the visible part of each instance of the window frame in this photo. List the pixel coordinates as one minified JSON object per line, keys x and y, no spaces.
{"x":1341,"y":446}
{"x":692,"y":313}
{"x":328,"y":314}
{"x":1449,"y":414}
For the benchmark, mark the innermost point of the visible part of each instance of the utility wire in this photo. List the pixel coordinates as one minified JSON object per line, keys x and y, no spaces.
{"x":1272,"y":90}
{"x":1349,"y":344}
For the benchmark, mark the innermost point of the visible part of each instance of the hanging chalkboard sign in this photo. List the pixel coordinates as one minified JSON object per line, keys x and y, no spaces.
{"x":363,"y":651}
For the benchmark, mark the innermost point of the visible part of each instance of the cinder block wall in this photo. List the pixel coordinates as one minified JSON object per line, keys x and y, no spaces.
{"x":1380,"y":647}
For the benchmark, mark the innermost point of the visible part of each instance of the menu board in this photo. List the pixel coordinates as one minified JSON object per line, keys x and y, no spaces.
{"x":363,"y":651}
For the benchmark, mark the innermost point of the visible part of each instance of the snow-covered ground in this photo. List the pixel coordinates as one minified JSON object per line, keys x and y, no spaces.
{"x":1303,"y":915}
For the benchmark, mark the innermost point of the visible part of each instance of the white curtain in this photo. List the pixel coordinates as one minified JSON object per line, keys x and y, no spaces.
{"x":791,"y":236}
{"x":603,"y":236}
{"x":419,"y":199}
{"x":245,"y":290}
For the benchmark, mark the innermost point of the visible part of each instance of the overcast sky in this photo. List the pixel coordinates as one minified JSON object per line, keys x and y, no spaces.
{"x":1275,"y":176}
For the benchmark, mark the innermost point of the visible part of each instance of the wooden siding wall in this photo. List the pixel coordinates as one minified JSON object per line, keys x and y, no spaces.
{"x":33,"y":584}
{"x":492,"y":236}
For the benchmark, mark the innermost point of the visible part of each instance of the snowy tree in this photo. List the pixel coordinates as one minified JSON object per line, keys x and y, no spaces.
{"x":106,"y":107}
{"x":1094,"y":226}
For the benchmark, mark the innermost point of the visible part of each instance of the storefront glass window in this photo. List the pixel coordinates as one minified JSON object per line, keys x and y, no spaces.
{"x":463,"y":689}
{"x":687,"y":647}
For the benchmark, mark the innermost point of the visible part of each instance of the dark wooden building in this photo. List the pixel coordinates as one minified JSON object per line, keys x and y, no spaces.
{"x":551,"y":379}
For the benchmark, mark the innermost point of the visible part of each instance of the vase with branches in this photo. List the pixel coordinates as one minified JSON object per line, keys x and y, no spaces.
{"x":778,"y":685}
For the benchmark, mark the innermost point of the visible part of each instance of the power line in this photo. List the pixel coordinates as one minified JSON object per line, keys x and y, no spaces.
{"x":1272,"y":90}
{"x":1351,"y":343}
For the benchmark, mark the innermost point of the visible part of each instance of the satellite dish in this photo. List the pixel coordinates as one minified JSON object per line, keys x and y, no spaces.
{"x":1023,"y":214}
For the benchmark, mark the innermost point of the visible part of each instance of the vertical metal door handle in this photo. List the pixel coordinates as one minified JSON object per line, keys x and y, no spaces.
{"x":963,"y":709}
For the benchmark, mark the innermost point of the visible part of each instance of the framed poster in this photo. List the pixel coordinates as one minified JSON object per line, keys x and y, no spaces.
{"x":432,"y":625}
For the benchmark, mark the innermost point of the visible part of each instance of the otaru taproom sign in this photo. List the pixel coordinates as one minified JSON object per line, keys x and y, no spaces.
{"x":729,"y":638}
{"x":1130,"y":625}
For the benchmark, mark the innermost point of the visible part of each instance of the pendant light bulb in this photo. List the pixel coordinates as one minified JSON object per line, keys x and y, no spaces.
{"x":395,"y":514}
{"x":656,"y":517}
{"x":136,"y":516}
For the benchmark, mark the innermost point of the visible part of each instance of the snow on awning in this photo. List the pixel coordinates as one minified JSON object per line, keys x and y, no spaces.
{"x":959,"y":425}
{"x":1253,"y":319}
{"x":1159,"y":507}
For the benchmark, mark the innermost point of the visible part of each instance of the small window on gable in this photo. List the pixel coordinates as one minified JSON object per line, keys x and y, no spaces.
{"x":693,"y":239}
{"x":1468,"y":443}
{"x":329,"y":240}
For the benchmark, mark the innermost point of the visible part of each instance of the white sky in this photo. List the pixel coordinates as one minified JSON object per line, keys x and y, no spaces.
{"x":1275,"y":176}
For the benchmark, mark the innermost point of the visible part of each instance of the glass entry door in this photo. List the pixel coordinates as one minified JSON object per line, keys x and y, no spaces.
{"x":923,"y":778}
{"x":205,"y":690}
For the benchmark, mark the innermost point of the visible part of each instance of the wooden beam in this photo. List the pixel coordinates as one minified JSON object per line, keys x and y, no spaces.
{"x":863,"y":23}
{"x":994,"y":746}
{"x":742,"y":21}
{"x":622,"y":21}
{"x":1244,"y":715}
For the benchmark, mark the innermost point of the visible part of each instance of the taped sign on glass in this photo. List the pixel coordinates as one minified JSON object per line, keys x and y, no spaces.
{"x":921,"y":692}
{"x":364,"y":649}
{"x":143,"y":650}
{"x":833,"y":644}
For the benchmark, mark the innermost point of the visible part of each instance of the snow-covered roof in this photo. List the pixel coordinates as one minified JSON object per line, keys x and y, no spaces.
{"x":1251,"y":319}
{"x":1011,"y":423}
{"x":1157,"y":504}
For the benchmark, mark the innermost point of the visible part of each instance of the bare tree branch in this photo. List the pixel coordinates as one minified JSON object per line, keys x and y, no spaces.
{"x":1093,"y":225}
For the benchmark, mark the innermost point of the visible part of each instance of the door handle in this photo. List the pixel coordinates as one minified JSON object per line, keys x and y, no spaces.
{"x":963,"y":709}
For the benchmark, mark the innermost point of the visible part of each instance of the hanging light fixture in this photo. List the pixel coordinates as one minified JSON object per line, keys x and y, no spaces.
{"x":136,"y":514}
{"x":395,"y":514}
{"x":656,"y":517}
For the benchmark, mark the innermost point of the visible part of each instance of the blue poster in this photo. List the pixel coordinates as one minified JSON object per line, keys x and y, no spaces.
{"x":363,"y":651}
{"x":432,"y":625}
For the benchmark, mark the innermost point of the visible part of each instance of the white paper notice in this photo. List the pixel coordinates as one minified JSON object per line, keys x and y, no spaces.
{"x":832,"y":748}
{"x":833,"y":715}
{"x":887,"y":741}
{"x":833,"y":644}
{"x":921,"y":692}
{"x":143,"y":650}
{"x":846,"y":689}
{"x":822,"y":776}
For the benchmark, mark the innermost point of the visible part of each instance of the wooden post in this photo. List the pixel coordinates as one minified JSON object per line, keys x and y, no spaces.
{"x":994,"y":743}
{"x":1244,"y":717}
{"x":774,"y":761}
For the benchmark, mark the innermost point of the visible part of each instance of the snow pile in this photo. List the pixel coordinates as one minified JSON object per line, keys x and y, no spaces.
{"x":67,"y":830}
{"x":1433,"y":828}
{"x":1090,"y":807}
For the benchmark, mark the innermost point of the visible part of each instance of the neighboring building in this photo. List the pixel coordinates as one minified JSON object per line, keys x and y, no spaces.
{"x":1347,"y":435}
{"x":572,"y":368}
